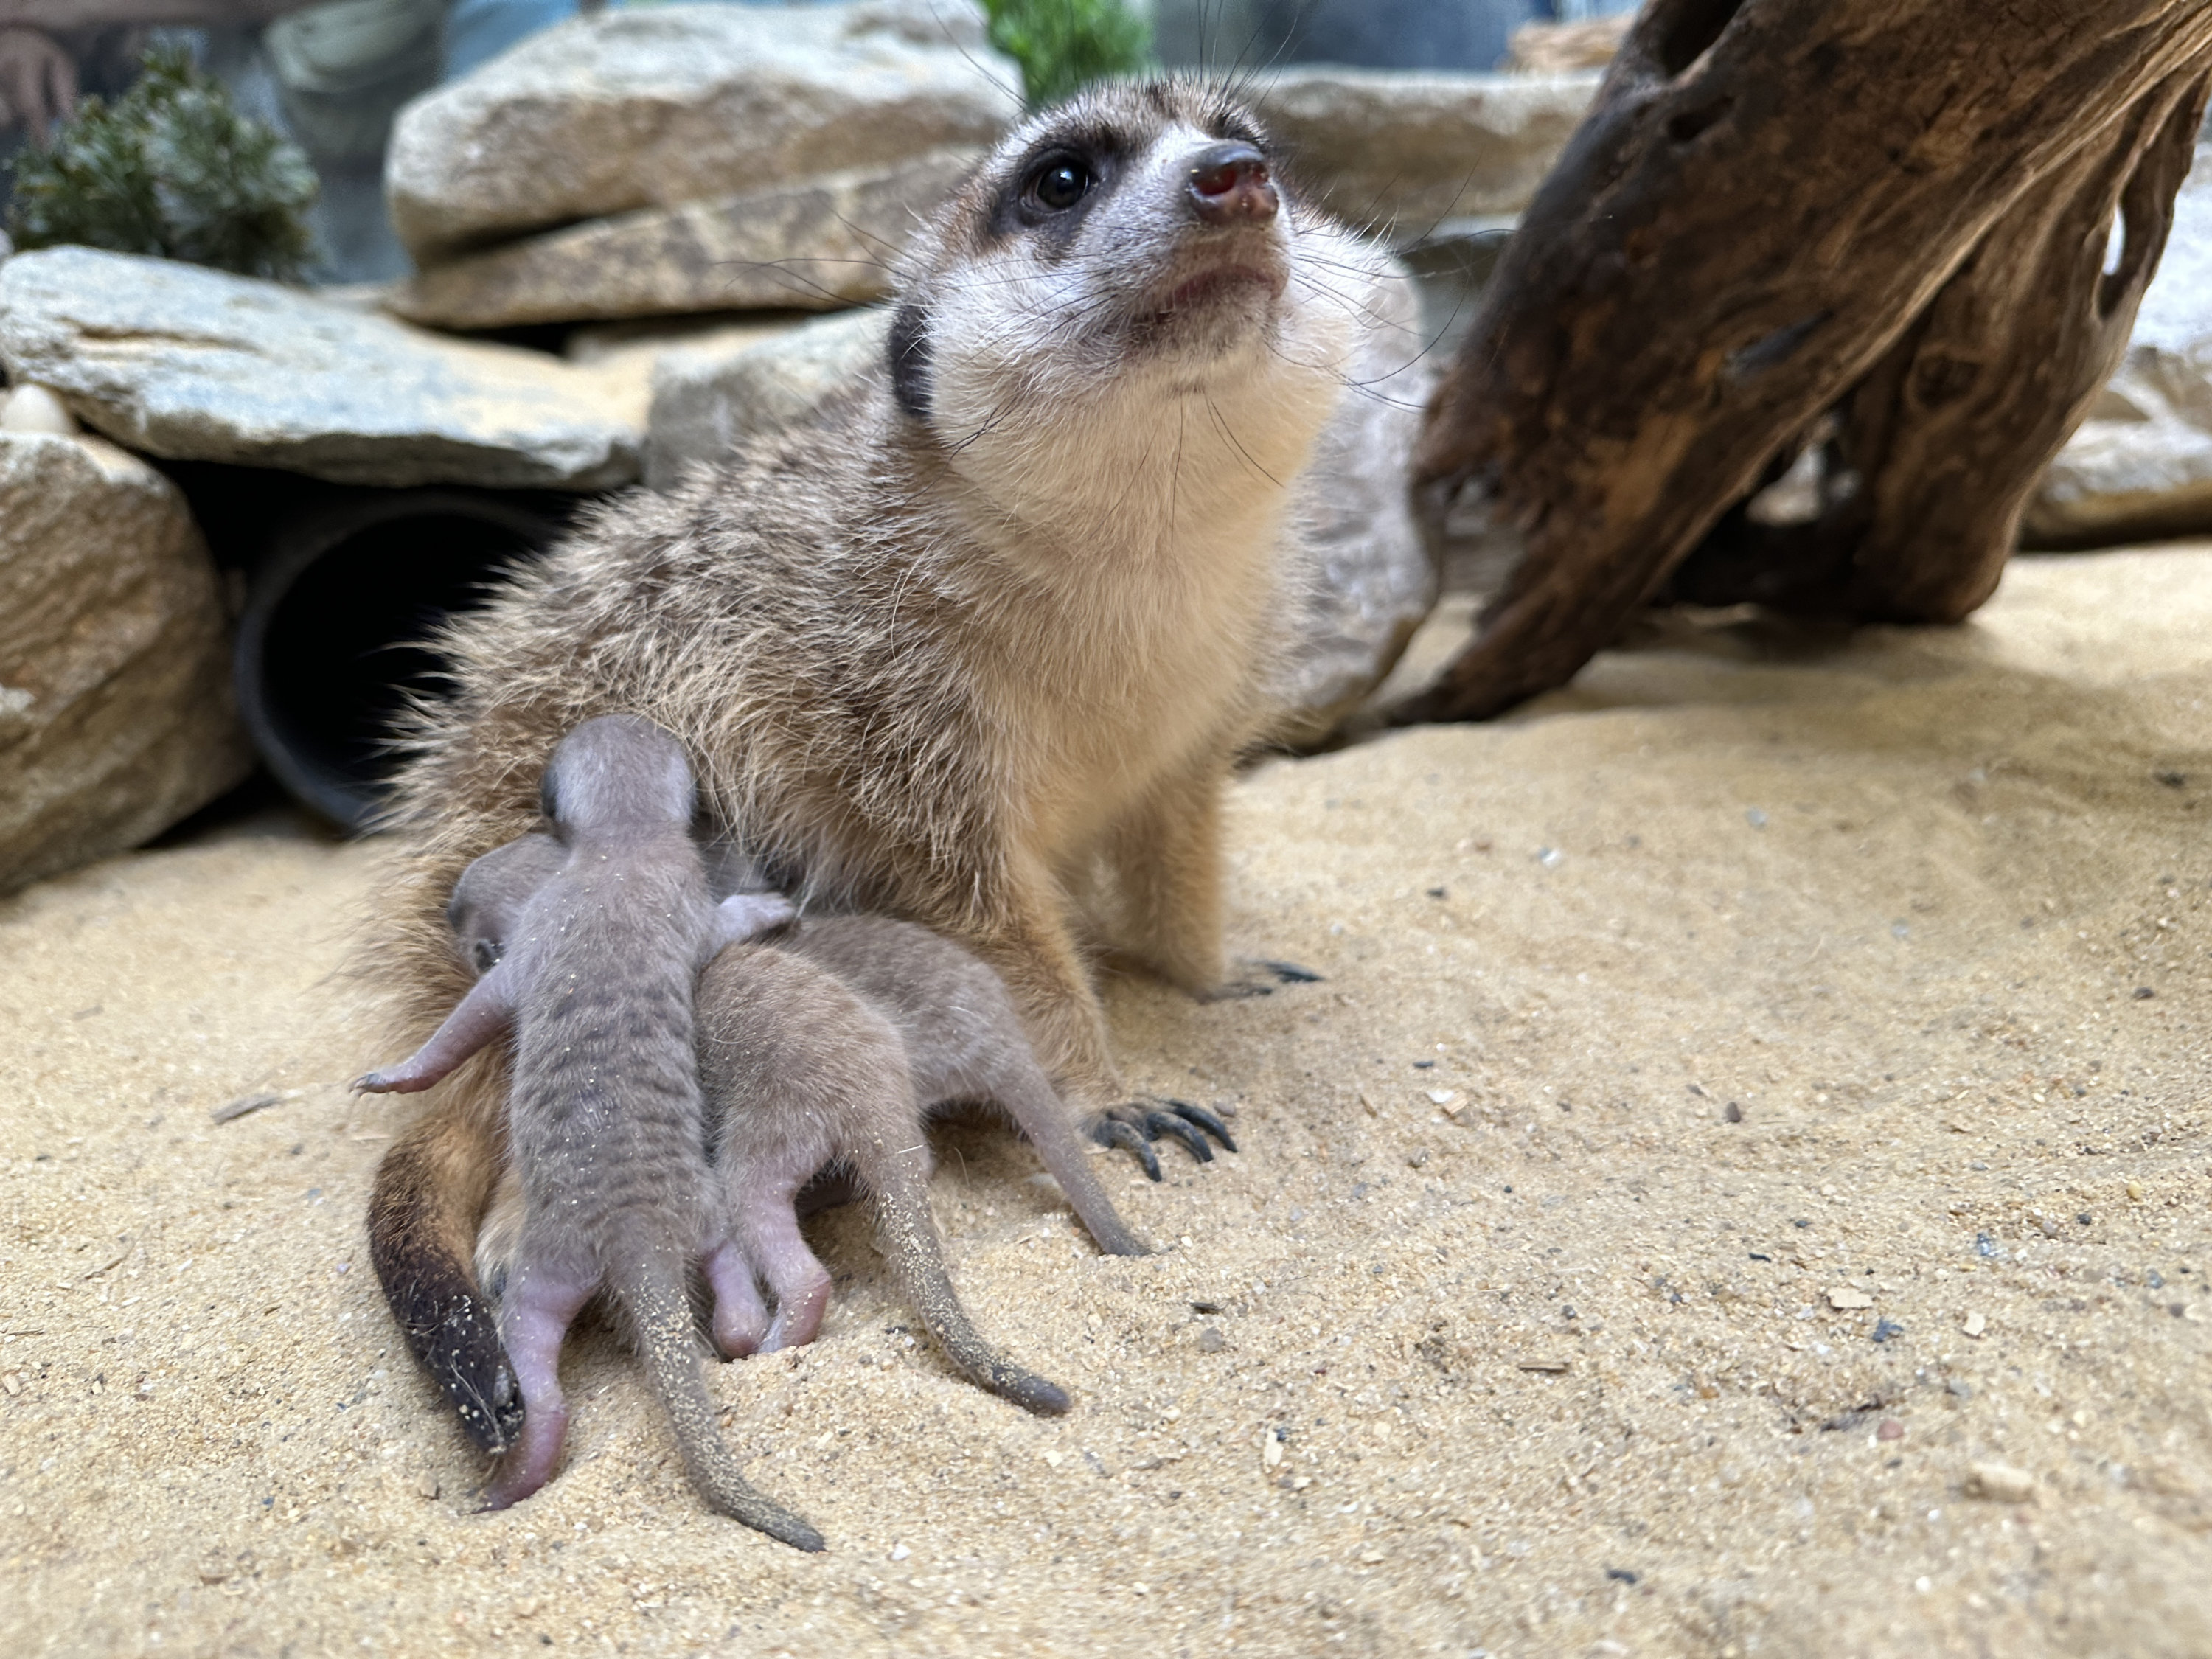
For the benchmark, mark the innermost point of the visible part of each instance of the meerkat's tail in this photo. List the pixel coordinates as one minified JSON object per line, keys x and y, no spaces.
{"x":660,"y":1307}
{"x":909,"y":1239}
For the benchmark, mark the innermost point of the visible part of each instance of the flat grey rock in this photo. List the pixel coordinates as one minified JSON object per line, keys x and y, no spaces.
{"x":817,"y":246}
{"x":705,"y":400}
{"x":116,"y":717}
{"x":1397,"y":153}
{"x":657,"y":105}
{"x":191,"y":364}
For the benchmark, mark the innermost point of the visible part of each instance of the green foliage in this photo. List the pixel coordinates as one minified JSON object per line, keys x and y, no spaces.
{"x":171,"y":169}
{"x":1063,"y":45}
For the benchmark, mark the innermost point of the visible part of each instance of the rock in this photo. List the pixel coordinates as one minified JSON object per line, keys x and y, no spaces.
{"x":2000,"y":1483}
{"x":1363,"y":578}
{"x":706,"y":401}
{"x":1387,"y":149}
{"x":33,"y":409}
{"x":817,"y":246}
{"x":1846,"y":1298}
{"x":116,"y":717}
{"x":193,"y":364}
{"x":2140,"y":465}
{"x":1562,"y":48}
{"x":652,"y":107}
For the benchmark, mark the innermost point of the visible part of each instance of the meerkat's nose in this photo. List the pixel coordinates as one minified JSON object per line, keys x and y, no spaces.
{"x":1229,"y":185}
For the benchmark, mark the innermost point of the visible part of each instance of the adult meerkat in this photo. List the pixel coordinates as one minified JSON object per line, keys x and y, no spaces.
{"x":606,"y":1124}
{"x":980,"y":642}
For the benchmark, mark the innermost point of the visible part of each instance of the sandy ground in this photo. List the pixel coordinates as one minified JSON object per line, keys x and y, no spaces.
{"x":1748,"y":1091}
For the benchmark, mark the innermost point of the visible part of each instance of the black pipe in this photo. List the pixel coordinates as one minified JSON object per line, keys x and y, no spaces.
{"x":331,"y":646}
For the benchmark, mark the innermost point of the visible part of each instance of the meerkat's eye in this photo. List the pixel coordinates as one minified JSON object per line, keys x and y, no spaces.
{"x":1060,"y":183}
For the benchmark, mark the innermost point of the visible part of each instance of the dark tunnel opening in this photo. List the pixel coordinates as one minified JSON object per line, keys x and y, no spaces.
{"x":332,"y":642}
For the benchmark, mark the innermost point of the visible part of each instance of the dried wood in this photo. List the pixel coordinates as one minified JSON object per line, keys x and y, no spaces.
{"x":1889,"y":217}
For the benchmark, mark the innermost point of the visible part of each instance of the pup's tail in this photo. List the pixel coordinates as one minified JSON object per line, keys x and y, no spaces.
{"x":909,"y":1239}
{"x":661,"y":1309}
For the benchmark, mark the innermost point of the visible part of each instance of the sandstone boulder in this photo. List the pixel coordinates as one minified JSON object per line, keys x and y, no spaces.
{"x":116,"y":717}
{"x":657,"y":105}
{"x":193,"y":364}
{"x":1398,"y":152}
{"x":2139,"y":467}
{"x":816,"y":246}
{"x":706,"y":400}
{"x":1363,"y":579}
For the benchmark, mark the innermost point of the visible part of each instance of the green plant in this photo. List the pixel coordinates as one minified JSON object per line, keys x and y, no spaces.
{"x":1063,"y":45}
{"x":170,"y":169}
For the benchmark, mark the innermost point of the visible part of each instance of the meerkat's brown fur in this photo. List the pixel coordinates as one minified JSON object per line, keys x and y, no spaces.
{"x":989,"y":631}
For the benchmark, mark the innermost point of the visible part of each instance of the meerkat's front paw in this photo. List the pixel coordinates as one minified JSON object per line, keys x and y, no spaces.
{"x":1136,"y":1124}
{"x":1258,"y":976}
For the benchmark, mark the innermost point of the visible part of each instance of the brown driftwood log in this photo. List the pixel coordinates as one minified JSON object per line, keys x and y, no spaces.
{"x":1878,"y":226}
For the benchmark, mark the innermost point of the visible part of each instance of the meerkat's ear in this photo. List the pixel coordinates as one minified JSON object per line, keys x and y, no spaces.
{"x":910,"y":358}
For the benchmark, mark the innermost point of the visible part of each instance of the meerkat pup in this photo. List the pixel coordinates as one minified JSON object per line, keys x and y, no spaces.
{"x":982,"y":641}
{"x":606,"y":1125}
{"x":804,"y":1074}
{"x":819,"y":1054}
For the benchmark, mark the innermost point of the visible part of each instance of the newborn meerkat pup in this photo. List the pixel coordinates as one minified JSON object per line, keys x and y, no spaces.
{"x":802,"y":1074}
{"x":606,"y":1125}
{"x":982,"y":641}
{"x":821,"y":1052}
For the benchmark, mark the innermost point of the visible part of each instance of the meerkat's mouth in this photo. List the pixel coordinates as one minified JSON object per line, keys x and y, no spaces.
{"x":1208,"y":287}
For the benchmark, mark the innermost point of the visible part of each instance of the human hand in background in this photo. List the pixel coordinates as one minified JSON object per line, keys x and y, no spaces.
{"x":38,"y":82}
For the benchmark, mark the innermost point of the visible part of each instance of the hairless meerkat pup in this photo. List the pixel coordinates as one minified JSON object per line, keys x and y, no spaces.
{"x":606,"y":1125}
{"x":978,"y":645}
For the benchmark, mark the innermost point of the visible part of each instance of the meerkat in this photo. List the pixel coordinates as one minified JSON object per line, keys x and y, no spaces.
{"x":803,"y":1073}
{"x":606,"y":1124}
{"x":980,"y":641}
{"x":817,"y":1055}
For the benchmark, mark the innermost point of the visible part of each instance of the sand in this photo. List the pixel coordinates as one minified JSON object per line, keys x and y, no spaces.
{"x":1750,"y":1089}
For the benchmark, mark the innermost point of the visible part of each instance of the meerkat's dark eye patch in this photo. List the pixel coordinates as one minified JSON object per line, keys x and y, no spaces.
{"x":1056,"y":185}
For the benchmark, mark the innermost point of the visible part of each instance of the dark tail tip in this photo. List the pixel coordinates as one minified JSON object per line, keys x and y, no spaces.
{"x":1031,"y":1393}
{"x":781,"y":1525}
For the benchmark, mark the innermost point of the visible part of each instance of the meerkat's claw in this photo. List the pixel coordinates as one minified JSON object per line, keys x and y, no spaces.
{"x":1110,"y":1130}
{"x":1206,"y":1120}
{"x":1258,"y":976}
{"x":1171,"y":1123}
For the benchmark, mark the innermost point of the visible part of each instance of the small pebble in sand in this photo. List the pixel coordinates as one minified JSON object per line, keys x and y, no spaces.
{"x":1999,"y":1483}
{"x":2135,"y":1192}
{"x":1891,"y":1429}
{"x":1887,"y":1330}
{"x":1550,"y":857}
{"x":426,"y":1486}
{"x":900,"y":1552}
{"x":1975,"y":1323}
{"x":1754,"y":817}
{"x":1845,"y":1297}
{"x":2144,"y":994}
{"x":1447,"y":1099}
{"x":1417,"y":1157}
{"x":1732,"y":1113}
{"x":1211,"y":1340}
